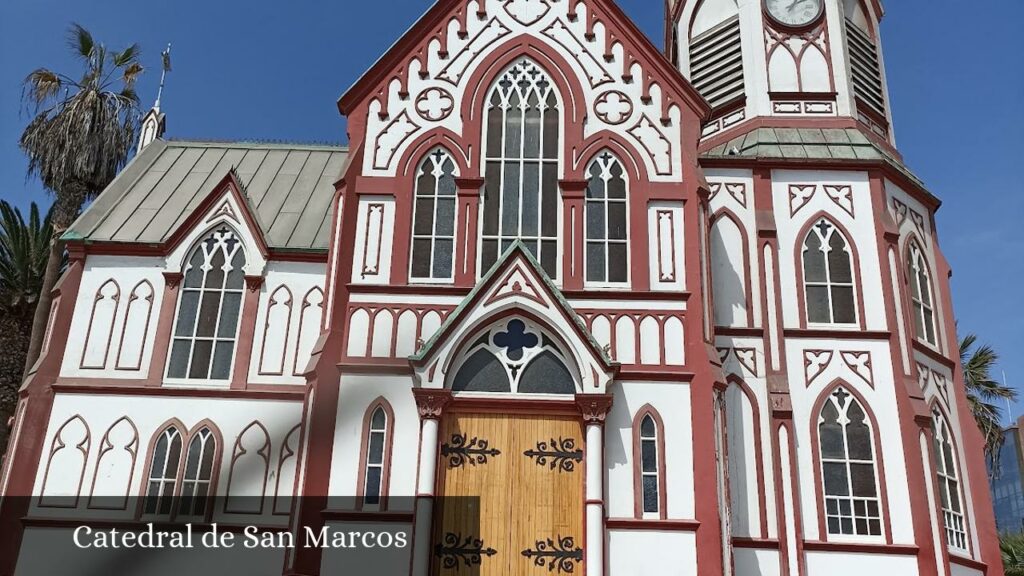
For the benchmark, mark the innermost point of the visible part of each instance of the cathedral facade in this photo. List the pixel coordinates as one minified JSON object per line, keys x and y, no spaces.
{"x":658,"y":311}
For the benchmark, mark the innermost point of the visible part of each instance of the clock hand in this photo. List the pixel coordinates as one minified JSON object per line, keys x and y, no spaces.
{"x":793,"y":5}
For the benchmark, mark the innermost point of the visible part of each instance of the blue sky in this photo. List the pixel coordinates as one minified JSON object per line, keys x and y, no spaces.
{"x":264,"y":69}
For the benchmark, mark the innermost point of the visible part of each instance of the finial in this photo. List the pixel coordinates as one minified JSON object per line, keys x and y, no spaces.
{"x":165,"y":58}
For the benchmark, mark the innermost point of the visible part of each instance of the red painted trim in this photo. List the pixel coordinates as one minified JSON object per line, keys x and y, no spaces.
{"x":237,"y":451}
{"x":638,"y":487}
{"x":837,"y":334}
{"x":661,"y":525}
{"x":110,"y":329}
{"x":140,"y":388}
{"x":973,"y":564}
{"x":389,"y":440}
{"x":367,"y":516}
{"x":285,"y":453}
{"x":56,"y":445}
{"x":933,"y":355}
{"x":246,"y":332}
{"x":105,"y":447}
{"x":306,"y":303}
{"x":266,"y":330}
{"x":132,"y":298}
{"x":876,"y":443}
{"x":755,"y":543}
{"x":861,"y":548}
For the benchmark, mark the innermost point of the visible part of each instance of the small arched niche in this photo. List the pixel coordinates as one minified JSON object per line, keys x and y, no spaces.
{"x":514,"y":355}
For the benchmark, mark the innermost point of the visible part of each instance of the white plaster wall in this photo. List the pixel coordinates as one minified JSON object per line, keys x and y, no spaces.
{"x":646,"y":552}
{"x":356,"y":393}
{"x":754,"y":562}
{"x":881,"y":397}
{"x":375,"y":232}
{"x":853,"y":564}
{"x":672,"y":401}
{"x":740,"y":201}
{"x":128,"y":272}
{"x":300,"y":278}
{"x":149,"y":414}
{"x":861,"y":228}
{"x":958,"y":570}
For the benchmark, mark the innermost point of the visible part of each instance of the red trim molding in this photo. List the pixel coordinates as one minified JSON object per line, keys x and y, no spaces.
{"x":660,"y":525}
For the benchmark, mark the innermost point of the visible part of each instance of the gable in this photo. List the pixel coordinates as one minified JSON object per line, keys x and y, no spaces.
{"x":430,"y":79}
{"x":518,"y":286}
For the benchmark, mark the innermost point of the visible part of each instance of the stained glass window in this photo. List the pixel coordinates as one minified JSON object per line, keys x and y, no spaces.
{"x":828,"y":276}
{"x":949,"y":483}
{"x":209,"y":306}
{"x":846,"y":445}
{"x":921,"y":295}
{"x":521,"y":167}
{"x":433,"y":229}
{"x":607,"y":258}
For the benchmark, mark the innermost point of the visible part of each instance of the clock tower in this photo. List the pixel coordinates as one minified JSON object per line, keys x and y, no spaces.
{"x":792,"y":61}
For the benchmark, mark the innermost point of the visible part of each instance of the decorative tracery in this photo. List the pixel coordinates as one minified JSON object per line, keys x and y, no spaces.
{"x":433,"y":233}
{"x":607,"y":255}
{"x":847,"y":452}
{"x":208,"y":310}
{"x":514,"y":357}
{"x":828,"y":276}
{"x":521,"y":167}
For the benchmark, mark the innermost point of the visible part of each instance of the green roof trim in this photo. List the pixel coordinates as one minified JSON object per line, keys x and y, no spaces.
{"x":517,"y":247}
{"x":842,"y":144}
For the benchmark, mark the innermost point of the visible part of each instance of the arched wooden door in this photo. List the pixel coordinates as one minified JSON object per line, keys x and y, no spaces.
{"x":522,"y":476}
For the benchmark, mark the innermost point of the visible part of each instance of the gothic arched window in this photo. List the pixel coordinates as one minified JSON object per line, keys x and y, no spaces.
{"x":607,"y":256}
{"x":921,"y":295}
{"x":377,"y":449}
{"x":163,"y":472}
{"x":208,"y":309}
{"x":514,"y":357}
{"x":946,"y":471}
{"x":649,"y":452}
{"x":195,"y":483}
{"x":847,"y":452}
{"x":185,"y":478}
{"x":521,"y":166}
{"x":828,"y":276}
{"x":433,"y":230}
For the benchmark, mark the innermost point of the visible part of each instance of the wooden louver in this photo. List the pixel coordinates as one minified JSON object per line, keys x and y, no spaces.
{"x":716,"y":63}
{"x":867,"y":74}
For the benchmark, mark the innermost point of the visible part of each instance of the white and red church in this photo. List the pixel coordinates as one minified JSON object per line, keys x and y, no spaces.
{"x":675,"y":311}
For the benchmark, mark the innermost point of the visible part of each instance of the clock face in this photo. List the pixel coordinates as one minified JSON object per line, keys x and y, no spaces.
{"x":794,"y":12}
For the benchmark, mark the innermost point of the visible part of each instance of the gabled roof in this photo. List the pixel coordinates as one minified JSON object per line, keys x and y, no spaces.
{"x":288,"y":188}
{"x":515,"y":253}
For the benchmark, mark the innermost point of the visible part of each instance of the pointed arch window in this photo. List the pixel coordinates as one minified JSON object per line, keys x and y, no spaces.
{"x":847,"y":452}
{"x":649,"y":453}
{"x":921,"y":295}
{"x":517,"y":357}
{"x":521,"y":146}
{"x":433,"y":232}
{"x":946,"y":471}
{"x":377,"y":451}
{"x":180,"y":483}
{"x":607,"y":257}
{"x":829,"y":289}
{"x":206,"y":328}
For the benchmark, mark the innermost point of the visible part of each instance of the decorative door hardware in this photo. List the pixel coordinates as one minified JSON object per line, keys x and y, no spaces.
{"x":561,"y":454}
{"x":559,"y":556}
{"x":460,"y":451}
{"x":454,"y":548}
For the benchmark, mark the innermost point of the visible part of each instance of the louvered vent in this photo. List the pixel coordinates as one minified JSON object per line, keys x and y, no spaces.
{"x":867,"y":75}
{"x":716,"y":63}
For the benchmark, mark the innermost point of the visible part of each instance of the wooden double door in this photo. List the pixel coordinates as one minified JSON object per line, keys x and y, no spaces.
{"x":512,"y":499}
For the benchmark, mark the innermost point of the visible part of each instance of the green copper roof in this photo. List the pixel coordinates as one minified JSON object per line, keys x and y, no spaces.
{"x":486,"y":282}
{"x":841,"y":144}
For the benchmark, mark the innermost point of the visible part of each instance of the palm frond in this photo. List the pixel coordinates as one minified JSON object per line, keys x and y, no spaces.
{"x":81,"y":42}
{"x":126,"y":56}
{"x":42,"y":85}
{"x":1011,"y":546}
{"x":24,"y":248}
{"x":131,"y":73}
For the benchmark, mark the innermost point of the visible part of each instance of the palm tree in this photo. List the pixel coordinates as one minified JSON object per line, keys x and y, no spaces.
{"x":982,"y":391}
{"x":80,"y":137}
{"x":1012,"y":548}
{"x":24,"y":248}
